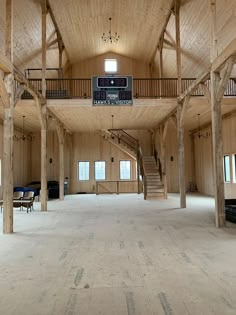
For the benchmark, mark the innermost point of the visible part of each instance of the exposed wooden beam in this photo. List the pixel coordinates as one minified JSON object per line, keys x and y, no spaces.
{"x":160,"y":40}
{"x":61,"y":140}
{"x":3,"y":94}
{"x":18,"y":93}
{"x":44,"y":194}
{"x":184,"y":108}
{"x":194,"y":85}
{"x":61,"y":44}
{"x":68,"y":130}
{"x":5,"y":64}
{"x":28,"y":86}
{"x":180,"y":130}
{"x":229,"y":51}
{"x":8,"y":128}
{"x":225,"y":76}
{"x":206,"y":92}
{"x":178,"y":47}
{"x":163,"y":121}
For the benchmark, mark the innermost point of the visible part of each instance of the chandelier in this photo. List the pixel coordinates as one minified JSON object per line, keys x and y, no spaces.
{"x":23,"y":136}
{"x":110,"y":38}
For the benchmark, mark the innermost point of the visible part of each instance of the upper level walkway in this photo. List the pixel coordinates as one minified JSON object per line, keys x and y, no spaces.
{"x":142,"y":88}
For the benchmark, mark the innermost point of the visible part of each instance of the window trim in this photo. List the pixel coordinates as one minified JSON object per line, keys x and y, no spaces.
{"x":95,"y":170}
{"x":227,"y":181}
{"x":82,"y":180}
{"x":110,"y":71}
{"x":130,"y":171}
{"x":233,"y":164}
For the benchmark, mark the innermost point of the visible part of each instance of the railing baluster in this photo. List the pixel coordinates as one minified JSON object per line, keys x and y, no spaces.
{"x":144,"y":88}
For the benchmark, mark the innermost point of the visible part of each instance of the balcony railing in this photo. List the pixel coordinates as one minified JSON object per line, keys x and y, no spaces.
{"x":142,"y":88}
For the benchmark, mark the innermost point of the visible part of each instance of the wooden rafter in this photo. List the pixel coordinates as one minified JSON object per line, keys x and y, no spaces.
{"x":18,"y":93}
{"x":5,"y":63}
{"x":161,"y":38}
{"x":194,"y":86}
{"x":228,"y":52}
{"x":163,"y":121}
{"x":28,"y":86}
{"x":3,"y":94}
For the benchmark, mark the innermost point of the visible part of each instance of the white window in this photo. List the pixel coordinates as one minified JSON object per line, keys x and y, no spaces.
{"x":125,"y":170}
{"x":234,"y":167}
{"x":100,"y":170}
{"x":110,"y":65}
{"x":83,"y":170}
{"x":227,"y":168}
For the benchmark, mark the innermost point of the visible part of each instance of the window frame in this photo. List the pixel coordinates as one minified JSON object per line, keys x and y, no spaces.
{"x":110,"y":71}
{"x":225,"y":168}
{"x":233,"y":164}
{"x":78,"y":173}
{"x":130,"y":172}
{"x":95,"y":170}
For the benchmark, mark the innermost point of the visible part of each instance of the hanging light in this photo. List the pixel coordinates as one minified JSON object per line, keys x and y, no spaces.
{"x":110,"y":38}
{"x":23,"y":136}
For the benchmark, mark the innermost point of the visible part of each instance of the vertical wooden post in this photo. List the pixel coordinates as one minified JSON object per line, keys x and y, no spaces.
{"x":217,"y":151}
{"x":217,"y":144}
{"x":138,"y":168}
{"x":44,"y":196}
{"x":163,"y":133}
{"x":61,"y":138}
{"x":178,"y":48}
{"x":8,"y":129}
{"x":181,"y":157}
{"x":193,"y":163}
{"x":70,"y":162}
{"x":161,"y":63}
{"x":179,"y":110}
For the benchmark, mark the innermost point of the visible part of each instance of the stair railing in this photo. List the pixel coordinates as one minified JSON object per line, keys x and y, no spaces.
{"x":125,"y":138}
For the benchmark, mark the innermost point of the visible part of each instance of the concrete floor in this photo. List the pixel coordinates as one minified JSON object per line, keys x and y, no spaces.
{"x":113,"y":255}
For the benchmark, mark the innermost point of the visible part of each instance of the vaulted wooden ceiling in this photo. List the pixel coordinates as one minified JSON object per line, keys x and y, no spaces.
{"x":138,"y":22}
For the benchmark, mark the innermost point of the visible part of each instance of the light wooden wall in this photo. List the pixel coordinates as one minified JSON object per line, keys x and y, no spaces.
{"x":52,"y":153}
{"x":172,"y":166}
{"x":203,"y":157}
{"x":21,"y":161}
{"x":95,"y":66}
{"x":92,"y":147}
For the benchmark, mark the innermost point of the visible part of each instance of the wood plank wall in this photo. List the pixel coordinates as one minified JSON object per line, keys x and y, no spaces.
{"x":95,"y":66}
{"x":21,"y":161}
{"x":203,"y":157}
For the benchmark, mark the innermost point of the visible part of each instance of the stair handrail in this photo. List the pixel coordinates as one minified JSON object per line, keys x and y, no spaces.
{"x":158,"y":161}
{"x":124,"y":137}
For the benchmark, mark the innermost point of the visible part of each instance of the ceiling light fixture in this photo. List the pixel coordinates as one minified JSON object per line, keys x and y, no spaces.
{"x":23,"y":136}
{"x":110,"y":38}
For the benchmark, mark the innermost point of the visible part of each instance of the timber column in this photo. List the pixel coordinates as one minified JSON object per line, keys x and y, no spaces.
{"x":44,"y":113}
{"x":179,"y":111}
{"x":8,"y":128}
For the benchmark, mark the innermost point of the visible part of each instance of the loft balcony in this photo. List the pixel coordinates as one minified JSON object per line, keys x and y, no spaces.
{"x":142,"y":88}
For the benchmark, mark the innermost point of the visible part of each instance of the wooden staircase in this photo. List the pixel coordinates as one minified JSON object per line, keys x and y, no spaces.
{"x":153,"y":186}
{"x":146,"y":166}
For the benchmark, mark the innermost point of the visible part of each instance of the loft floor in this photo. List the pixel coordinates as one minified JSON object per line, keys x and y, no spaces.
{"x":118,"y":254}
